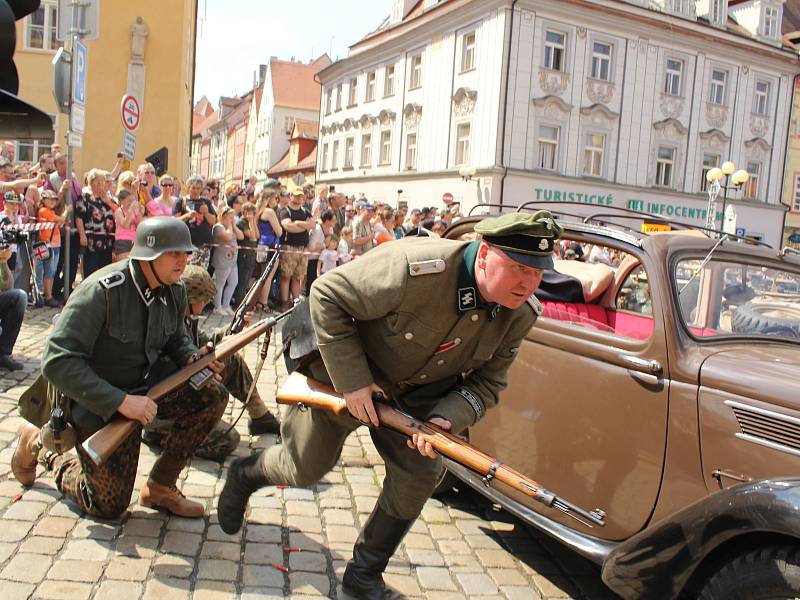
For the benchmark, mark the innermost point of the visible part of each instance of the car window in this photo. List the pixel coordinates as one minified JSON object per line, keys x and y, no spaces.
{"x":634,"y":294}
{"x":584,"y":274}
{"x":731,"y":298}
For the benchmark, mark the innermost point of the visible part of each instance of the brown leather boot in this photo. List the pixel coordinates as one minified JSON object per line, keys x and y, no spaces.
{"x":23,"y":462}
{"x":170,"y":499}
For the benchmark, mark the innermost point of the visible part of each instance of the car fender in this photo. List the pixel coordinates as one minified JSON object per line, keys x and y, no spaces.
{"x":658,"y":561}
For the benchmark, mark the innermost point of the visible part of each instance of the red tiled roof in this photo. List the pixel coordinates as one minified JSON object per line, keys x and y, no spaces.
{"x":306,"y":129}
{"x":309,"y":163}
{"x":293,"y":83}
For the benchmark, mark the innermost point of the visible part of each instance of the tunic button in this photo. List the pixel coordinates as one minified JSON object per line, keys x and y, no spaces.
{"x":409,"y":335}
{"x":440,"y":362}
{"x":474,"y":317}
{"x":457,"y":341}
{"x":423,"y":376}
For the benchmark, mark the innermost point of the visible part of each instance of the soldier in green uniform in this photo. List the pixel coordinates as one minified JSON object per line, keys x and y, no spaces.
{"x":236,"y":377}
{"x":102,"y":348}
{"x":433,"y":325}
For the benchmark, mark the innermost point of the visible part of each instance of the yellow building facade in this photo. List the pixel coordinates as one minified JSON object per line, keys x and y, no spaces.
{"x":791,"y":190}
{"x":145,"y":46}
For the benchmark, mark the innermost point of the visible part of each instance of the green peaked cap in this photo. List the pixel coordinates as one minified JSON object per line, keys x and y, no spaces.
{"x":528,"y":238}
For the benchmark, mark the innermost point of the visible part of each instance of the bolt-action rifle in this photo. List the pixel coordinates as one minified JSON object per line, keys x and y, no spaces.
{"x":196,"y":374}
{"x":308,"y":393}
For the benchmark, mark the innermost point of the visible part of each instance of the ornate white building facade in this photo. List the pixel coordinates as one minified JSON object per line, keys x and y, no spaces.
{"x":600,"y":102}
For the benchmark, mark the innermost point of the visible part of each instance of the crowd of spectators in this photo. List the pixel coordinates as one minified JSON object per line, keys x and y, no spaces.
{"x":237,"y":230}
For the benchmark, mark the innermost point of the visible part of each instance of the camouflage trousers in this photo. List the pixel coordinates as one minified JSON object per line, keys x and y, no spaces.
{"x":105,"y":490}
{"x":222,"y":440}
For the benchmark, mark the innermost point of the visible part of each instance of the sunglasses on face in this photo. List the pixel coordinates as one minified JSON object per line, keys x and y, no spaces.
{"x":167,"y":184}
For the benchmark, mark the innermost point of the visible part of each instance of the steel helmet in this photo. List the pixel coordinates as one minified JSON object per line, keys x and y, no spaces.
{"x":199,"y":285}
{"x":157,"y":235}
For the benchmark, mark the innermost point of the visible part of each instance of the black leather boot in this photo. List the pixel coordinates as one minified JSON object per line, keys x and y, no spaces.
{"x":245,"y":476}
{"x":378,"y":541}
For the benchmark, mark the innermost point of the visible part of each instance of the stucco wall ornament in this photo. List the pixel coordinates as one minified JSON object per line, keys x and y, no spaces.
{"x":385,"y":117}
{"x":600,"y":91}
{"x":366,"y":121}
{"x":553,"y":82}
{"x":552,"y":106}
{"x":670,"y":129}
{"x":139,"y":33}
{"x":413,"y":115}
{"x":759,"y":125}
{"x":714,"y":139}
{"x":599,"y":114}
{"x":716,"y":115}
{"x":464,"y":102}
{"x":671,"y":106}
{"x":758,"y":148}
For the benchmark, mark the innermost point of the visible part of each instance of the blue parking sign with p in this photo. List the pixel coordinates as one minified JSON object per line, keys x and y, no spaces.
{"x":80,"y":56}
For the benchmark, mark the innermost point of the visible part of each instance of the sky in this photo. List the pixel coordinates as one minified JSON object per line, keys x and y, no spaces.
{"x":231,"y":43}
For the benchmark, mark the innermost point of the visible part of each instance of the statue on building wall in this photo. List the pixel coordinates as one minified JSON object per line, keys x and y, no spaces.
{"x":139,"y":33}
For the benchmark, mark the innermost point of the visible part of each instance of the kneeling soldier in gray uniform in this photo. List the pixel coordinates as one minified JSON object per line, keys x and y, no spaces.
{"x":236,"y":377}
{"x":433,"y":325}
{"x":103,"y":345}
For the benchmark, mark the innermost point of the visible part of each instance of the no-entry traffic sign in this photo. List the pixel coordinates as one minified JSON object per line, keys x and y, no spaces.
{"x":447,"y":198}
{"x":130,"y":112}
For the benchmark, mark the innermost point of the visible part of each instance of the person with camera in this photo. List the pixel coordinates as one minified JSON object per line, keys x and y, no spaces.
{"x":12,"y":309}
{"x":94,"y":220}
{"x":199,"y":215}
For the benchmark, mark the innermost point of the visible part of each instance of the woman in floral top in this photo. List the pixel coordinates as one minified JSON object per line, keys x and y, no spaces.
{"x":94,"y":220}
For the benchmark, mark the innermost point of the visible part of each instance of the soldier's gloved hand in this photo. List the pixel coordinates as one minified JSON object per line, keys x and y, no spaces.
{"x":214,"y":365}
{"x":423,"y":447}
{"x":138,"y":408}
{"x":359,"y":403}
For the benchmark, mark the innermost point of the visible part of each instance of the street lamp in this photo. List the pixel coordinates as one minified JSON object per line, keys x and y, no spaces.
{"x":729,"y":172}
{"x":467,"y":173}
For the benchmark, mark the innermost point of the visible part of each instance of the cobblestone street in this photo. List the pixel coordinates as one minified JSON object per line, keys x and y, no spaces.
{"x":459,"y":549}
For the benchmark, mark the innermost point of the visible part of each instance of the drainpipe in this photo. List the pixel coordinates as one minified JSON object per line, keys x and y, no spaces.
{"x":505,"y":107}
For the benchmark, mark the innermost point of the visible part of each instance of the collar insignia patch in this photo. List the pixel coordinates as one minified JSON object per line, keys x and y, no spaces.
{"x":467,"y":299}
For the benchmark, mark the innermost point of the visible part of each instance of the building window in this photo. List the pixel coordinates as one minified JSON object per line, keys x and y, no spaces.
{"x":30,"y":150}
{"x":40,"y":27}
{"x":796,"y":202}
{"x":351,"y":98}
{"x":665,"y":166}
{"x":462,"y":144}
{"x":555,"y":50}
{"x":593,"y":154}
{"x":339,"y":97}
{"x":751,"y":187}
{"x":710,"y":161}
{"x":548,"y":148}
{"x":468,"y":52}
{"x":324,"y":166}
{"x":761,"y":101}
{"x":335,"y":155}
{"x":328,"y":101}
{"x":386,"y":147}
{"x":672,"y":78}
{"x":388,"y":82}
{"x":719,"y":80}
{"x":715,"y":13}
{"x":366,"y":150}
{"x":370,"y":93}
{"x":349,"y":144}
{"x":288,"y":122}
{"x":416,"y":72}
{"x":680,"y":6}
{"x":770,"y":28}
{"x":411,"y":151}
{"x":601,"y":61}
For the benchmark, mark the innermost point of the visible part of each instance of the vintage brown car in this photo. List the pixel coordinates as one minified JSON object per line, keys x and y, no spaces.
{"x":661,"y":393}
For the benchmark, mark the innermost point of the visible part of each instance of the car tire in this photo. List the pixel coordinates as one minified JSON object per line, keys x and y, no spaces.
{"x":755,"y":317}
{"x":764,"y":574}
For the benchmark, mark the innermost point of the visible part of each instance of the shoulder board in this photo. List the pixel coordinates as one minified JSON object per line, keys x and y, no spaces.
{"x":113,"y":280}
{"x":537,"y":306}
{"x":426,"y":267}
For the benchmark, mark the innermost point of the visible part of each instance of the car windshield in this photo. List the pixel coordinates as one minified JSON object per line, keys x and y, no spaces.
{"x":737,"y":299}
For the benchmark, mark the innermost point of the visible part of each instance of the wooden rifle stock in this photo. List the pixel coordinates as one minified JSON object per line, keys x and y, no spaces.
{"x":301,"y":390}
{"x":103,"y":442}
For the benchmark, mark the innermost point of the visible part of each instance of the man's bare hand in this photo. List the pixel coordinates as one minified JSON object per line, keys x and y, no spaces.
{"x":424,"y":447}
{"x":215,"y":365}
{"x":359,"y":403}
{"x":138,"y":408}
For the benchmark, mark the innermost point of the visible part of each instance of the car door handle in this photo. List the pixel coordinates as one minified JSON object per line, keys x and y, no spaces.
{"x":642,"y":364}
